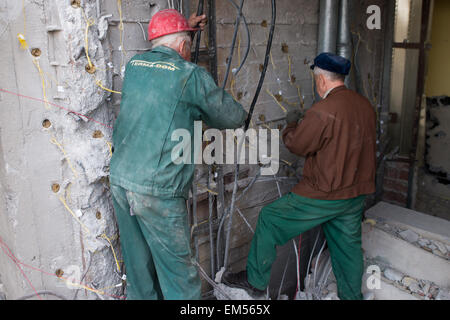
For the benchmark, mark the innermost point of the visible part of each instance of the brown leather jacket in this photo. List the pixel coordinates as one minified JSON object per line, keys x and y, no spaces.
{"x":338,"y":138}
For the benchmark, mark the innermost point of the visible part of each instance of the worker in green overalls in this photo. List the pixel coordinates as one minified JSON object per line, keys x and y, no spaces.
{"x":337,"y":136}
{"x":162,"y":92}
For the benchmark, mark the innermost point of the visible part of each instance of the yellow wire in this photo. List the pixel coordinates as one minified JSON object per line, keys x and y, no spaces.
{"x":110,"y":147}
{"x":79,"y":285}
{"x":41,"y":74}
{"x":23,"y":41}
{"x":209,"y":190}
{"x":22,"y":36}
{"x":197,"y":225}
{"x":271,"y":60}
{"x":99,"y":83}
{"x":281,"y":106}
{"x":86,"y":229}
{"x":360,"y":39}
{"x":55,"y":142}
{"x":312,"y":82}
{"x":104,"y":236}
{"x":63,"y":201}
{"x":290,"y":66}
{"x":89,"y":23}
{"x":232,"y":84}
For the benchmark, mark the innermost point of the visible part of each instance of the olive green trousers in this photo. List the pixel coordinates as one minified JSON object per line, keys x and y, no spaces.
{"x":292,"y":215}
{"x":155,"y":243}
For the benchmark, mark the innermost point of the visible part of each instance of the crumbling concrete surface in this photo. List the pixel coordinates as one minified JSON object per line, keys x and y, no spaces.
{"x":56,"y":213}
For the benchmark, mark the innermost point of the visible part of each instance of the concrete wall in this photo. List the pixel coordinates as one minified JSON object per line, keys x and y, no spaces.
{"x":50,"y":154}
{"x":36,"y":225}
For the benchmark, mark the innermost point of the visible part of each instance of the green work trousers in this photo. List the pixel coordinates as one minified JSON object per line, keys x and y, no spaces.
{"x":155,"y":242}
{"x":292,"y":215}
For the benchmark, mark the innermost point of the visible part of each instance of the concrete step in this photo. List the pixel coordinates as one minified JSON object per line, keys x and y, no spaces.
{"x":388,"y":291}
{"x":425,"y":225}
{"x":403,"y":256}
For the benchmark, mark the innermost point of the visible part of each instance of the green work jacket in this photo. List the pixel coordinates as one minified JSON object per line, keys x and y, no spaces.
{"x":161,"y":93}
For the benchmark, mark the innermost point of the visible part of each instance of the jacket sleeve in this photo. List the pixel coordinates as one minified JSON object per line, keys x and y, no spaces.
{"x":217,"y":108}
{"x":308,"y":136}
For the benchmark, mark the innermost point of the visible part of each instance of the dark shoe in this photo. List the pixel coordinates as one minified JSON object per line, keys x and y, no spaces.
{"x":239,"y":280}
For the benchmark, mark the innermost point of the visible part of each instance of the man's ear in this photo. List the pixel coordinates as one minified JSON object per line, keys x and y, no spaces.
{"x":181,"y":47}
{"x":184,"y":49}
{"x":322,"y":80}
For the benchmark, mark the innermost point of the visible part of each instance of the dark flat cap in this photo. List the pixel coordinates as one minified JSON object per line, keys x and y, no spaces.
{"x":331,"y":62}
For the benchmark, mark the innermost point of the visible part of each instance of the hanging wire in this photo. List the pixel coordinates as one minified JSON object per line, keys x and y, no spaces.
{"x":247,"y":123}
{"x":233,"y":44}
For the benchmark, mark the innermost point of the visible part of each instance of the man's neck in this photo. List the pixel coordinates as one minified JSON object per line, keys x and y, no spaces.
{"x":332,"y":86}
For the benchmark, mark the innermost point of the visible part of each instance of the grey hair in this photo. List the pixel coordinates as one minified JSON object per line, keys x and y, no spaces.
{"x":332,"y":76}
{"x":171,"y":39}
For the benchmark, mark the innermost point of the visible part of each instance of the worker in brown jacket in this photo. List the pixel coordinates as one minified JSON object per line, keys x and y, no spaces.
{"x":337,"y":136}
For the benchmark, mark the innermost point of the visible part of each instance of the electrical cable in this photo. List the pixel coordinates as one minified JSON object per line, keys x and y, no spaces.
{"x":210,"y":281}
{"x":247,"y":123}
{"x":312,"y":252}
{"x":266,"y":62}
{"x":199,"y":33}
{"x":42,"y":292}
{"x":282,"y":278}
{"x":233,"y":43}
{"x":298,"y":264}
{"x":317,"y":262}
{"x":247,"y":51}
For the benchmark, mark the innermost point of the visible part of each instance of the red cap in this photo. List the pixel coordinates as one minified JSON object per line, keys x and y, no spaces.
{"x":167,"y":22}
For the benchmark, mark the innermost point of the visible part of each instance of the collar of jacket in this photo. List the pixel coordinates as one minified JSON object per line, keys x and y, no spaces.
{"x":166,"y":50}
{"x":334,"y":90}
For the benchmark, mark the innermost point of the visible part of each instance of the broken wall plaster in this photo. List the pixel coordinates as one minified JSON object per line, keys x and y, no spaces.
{"x":89,"y":156}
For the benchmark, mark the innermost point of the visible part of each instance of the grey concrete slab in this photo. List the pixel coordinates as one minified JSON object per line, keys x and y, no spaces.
{"x":424,"y":224}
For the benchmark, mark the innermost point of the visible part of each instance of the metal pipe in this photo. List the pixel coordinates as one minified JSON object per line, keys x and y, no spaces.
{"x":344,"y":42}
{"x":344,"y":47}
{"x":328,"y":26}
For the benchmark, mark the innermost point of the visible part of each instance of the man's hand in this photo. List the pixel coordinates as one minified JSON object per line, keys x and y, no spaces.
{"x":197,"y":21}
{"x":294,"y":116}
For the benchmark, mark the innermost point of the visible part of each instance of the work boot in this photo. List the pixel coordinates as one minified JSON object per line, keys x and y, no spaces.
{"x":239,"y":280}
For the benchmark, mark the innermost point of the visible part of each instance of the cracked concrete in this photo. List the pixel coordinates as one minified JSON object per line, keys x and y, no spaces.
{"x":37,"y":226}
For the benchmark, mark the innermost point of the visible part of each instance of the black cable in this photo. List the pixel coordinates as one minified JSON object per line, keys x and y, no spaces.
{"x":266,"y":62}
{"x":247,"y":51}
{"x":247,"y":124}
{"x":199,"y":33}
{"x":233,"y":43}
